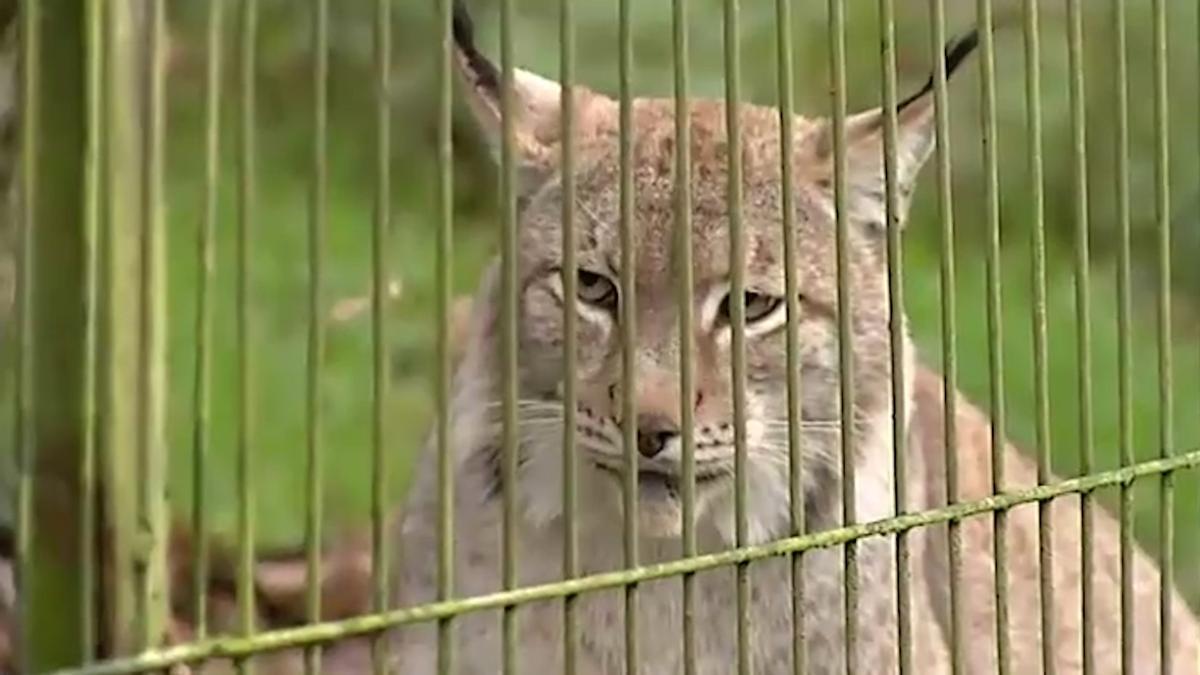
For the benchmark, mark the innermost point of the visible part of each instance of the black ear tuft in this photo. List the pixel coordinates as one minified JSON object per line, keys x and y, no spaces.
{"x":957,"y":51}
{"x":483,"y":72}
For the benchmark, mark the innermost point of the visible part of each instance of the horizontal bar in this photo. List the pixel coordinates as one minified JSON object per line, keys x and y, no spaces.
{"x":239,"y":647}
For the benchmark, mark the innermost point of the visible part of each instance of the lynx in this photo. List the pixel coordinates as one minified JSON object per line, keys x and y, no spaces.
{"x":539,"y":536}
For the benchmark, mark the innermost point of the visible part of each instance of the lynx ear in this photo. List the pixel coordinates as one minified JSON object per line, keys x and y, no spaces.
{"x":536,"y":107}
{"x":915,"y":138}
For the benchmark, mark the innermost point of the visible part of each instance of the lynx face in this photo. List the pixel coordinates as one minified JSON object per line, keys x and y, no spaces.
{"x":599,"y":300}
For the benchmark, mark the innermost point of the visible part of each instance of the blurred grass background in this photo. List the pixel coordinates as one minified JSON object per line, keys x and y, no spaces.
{"x":279,"y":281}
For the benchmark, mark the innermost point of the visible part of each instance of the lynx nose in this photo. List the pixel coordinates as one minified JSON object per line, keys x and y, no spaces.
{"x":653,"y":433}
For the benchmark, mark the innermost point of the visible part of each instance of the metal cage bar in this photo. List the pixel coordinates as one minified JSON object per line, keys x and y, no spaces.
{"x":895,"y":266}
{"x":628,"y":321}
{"x":991,"y":182}
{"x":445,"y":248}
{"x":23,"y":375}
{"x":205,"y":272}
{"x":246,"y":206}
{"x":570,"y":278}
{"x":685,"y":296}
{"x":1033,"y":112}
{"x":152,"y":449}
{"x":737,"y":320}
{"x":837,"y":46}
{"x":1162,"y":219}
{"x":92,"y":204}
{"x":1124,"y":341}
{"x":949,"y":330}
{"x":317,"y":225}
{"x":1083,"y":314}
{"x":783,"y":20}
{"x":508,"y":320}
{"x":381,"y":224}
{"x":119,"y":262}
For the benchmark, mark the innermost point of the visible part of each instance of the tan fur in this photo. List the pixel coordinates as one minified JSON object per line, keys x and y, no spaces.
{"x":978,"y":572}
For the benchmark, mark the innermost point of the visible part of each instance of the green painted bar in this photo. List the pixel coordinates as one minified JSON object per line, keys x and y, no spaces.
{"x":239,"y":647}
{"x":945,"y":202}
{"x":737,"y":320}
{"x":1124,"y":341}
{"x":51,"y":384}
{"x":445,"y":290}
{"x":1033,"y":121}
{"x":53,"y":388}
{"x":570,"y":284}
{"x":1162,"y":216}
{"x":628,"y":323}
{"x":685,"y":294}
{"x":317,"y":224}
{"x":121,"y":186}
{"x":381,"y":225}
{"x":28,"y":651}
{"x":837,"y":45}
{"x":990,"y":140}
{"x":508,"y":345}
{"x":247,"y":42}
{"x":151,"y":553}
{"x":205,"y":271}
{"x":887,"y":66}
{"x":1083,"y":313}
{"x":783,"y":21}
{"x":92,"y":200}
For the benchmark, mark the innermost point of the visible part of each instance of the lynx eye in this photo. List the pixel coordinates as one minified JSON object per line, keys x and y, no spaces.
{"x":596,"y":289}
{"x":758,"y":307}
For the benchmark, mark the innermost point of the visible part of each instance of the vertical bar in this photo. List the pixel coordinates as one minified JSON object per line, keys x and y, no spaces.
{"x":887,"y":22}
{"x":205,"y":270}
{"x":247,"y":29}
{"x":152,"y":449}
{"x":23,"y":429}
{"x":945,"y":201}
{"x":685,"y":294}
{"x":783,"y":21}
{"x":445,"y":249}
{"x":570,"y":277}
{"x":737,"y":320}
{"x":837,"y":21}
{"x":1083,"y":314}
{"x":88,"y":562}
{"x":317,"y":224}
{"x":52,"y":383}
{"x":508,"y":346}
{"x":379,"y":379}
{"x":1162,"y":205}
{"x":1033,"y":101}
{"x":1124,"y":352}
{"x":119,"y":336}
{"x":987,"y":65}
{"x":628,"y":327}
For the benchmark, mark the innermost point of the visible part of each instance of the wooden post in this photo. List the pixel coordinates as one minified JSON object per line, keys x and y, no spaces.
{"x":92,"y":360}
{"x":52,"y":342}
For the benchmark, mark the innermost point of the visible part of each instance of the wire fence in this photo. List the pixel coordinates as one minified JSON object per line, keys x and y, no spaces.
{"x":92,"y":382}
